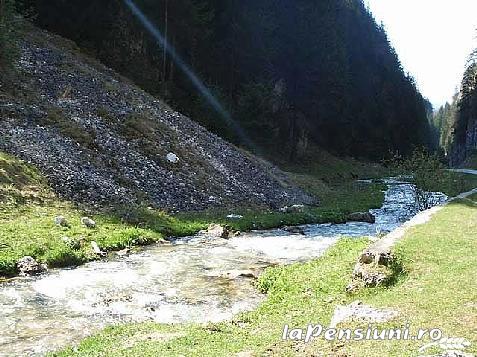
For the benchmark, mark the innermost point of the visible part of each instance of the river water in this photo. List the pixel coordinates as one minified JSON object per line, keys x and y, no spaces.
{"x":190,"y":280}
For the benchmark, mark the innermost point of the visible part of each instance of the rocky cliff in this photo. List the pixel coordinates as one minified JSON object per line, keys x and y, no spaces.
{"x":101,"y":140}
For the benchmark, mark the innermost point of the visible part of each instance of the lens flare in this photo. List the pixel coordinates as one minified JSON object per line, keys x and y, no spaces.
{"x":198,"y":84}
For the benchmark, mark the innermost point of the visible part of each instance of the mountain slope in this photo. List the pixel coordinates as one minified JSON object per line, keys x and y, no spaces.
{"x":99,"y":139}
{"x":464,"y":144}
{"x":303,"y":72}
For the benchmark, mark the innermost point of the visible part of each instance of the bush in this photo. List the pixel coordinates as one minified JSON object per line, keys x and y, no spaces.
{"x":429,"y":173}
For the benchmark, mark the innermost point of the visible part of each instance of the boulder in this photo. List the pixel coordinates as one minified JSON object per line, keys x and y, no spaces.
{"x":383,"y":258}
{"x":73,"y":243}
{"x":172,"y":158}
{"x":123,"y":253}
{"x":357,"y":311}
{"x":97,"y":250}
{"x":370,"y":277}
{"x":293,"y":209}
{"x":362,"y":217}
{"x":61,"y":221}
{"x":367,"y":258}
{"x":234,"y":216}
{"x":235,"y":274}
{"x":218,"y":231}
{"x":294,"y":230}
{"x":88,"y":222}
{"x":29,"y":266}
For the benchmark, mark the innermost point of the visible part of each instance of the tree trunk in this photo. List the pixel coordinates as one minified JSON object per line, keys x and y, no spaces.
{"x":171,"y":66}
{"x":166,"y":44}
{"x":2,"y":11}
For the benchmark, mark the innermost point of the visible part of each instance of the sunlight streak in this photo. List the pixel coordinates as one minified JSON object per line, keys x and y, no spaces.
{"x":200,"y":86}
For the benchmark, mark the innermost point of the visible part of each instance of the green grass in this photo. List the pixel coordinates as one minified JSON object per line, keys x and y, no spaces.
{"x":437,"y":289}
{"x":450,"y":183}
{"x":334,"y":170}
{"x":28,"y":209}
{"x":336,"y":203}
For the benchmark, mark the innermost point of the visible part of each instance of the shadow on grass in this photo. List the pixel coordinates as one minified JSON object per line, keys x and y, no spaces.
{"x":397,"y":272}
{"x":467,"y":202}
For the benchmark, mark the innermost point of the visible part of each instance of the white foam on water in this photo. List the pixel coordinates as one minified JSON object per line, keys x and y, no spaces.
{"x":284,"y":247}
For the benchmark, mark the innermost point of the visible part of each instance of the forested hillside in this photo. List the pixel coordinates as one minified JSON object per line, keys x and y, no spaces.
{"x":294,"y":74}
{"x":457,"y":121}
{"x":465,"y":134}
{"x":444,"y":121}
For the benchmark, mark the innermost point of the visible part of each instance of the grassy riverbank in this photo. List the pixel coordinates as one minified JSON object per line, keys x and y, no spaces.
{"x":435,"y":290}
{"x":28,"y":209}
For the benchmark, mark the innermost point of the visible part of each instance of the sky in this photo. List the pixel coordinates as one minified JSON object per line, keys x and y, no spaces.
{"x":433,"y":39}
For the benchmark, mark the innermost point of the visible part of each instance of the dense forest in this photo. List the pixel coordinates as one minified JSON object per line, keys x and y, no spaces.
{"x":294,"y":74}
{"x":444,"y":121}
{"x":465,"y":130}
{"x":457,"y":121}
{"x":7,"y":27}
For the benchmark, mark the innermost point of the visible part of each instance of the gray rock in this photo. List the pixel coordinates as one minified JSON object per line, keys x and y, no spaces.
{"x":73,"y":243}
{"x":97,"y":250}
{"x":172,"y":158}
{"x":369,"y":275}
{"x":385,"y":258}
{"x":61,"y":221}
{"x":123,"y":253}
{"x":362,"y":217}
{"x":88,"y":222}
{"x":373,"y":279}
{"x":367,"y":258}
{"x":357,"y":311}
{"x":234,"y":216}
{"x":218,"y":231}
{"x":293,"y":209}
{"x":29,"y":266}
{"x":235,"y":274}
{"x":294,"y":230}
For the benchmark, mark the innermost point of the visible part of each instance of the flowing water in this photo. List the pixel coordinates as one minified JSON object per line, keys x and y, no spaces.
{"x":190,"y":280}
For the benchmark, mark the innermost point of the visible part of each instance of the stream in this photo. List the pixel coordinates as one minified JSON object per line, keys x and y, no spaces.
{"x":195,"y":279}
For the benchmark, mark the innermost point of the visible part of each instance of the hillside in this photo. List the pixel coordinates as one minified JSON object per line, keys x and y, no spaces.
{"x":100,"y":139}
{"x":465,"y":128}
{"x":300,"y":73}
{"x":456,"y":122}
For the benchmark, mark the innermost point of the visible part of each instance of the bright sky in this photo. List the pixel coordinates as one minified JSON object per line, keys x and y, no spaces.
{"x":433,"y":39}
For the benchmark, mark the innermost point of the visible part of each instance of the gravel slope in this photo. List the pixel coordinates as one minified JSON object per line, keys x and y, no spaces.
{"x":101,"y":140}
